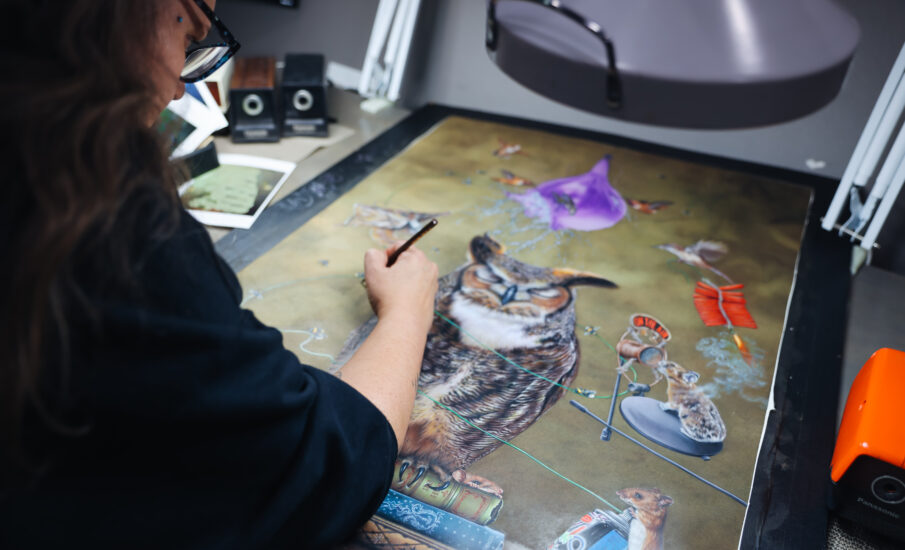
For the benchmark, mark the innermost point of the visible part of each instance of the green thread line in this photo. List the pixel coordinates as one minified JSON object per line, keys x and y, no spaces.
{"x":524,"y":452}
{"x":532,"y":373}
{"x":459,"y":416}
{"x":621,"y":362}
{"x":261,"y":292}
{"x":608,"y":344}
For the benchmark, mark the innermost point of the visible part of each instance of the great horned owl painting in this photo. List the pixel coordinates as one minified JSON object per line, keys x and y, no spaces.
{"x":524,"y":312}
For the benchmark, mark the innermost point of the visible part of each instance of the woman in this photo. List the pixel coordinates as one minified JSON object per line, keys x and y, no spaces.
{"x":140,"y":407}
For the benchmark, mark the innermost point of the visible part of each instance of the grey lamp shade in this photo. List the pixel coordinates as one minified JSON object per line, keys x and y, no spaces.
{"x":684,"y":63}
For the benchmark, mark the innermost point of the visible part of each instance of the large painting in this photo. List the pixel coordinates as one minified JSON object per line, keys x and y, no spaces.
{"x":602,"y":354}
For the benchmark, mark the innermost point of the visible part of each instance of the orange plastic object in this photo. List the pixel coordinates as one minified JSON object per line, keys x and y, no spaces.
{"x":873,"y":423}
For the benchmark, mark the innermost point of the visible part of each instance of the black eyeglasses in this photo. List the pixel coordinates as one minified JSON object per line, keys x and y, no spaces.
{"x":202,"y":60}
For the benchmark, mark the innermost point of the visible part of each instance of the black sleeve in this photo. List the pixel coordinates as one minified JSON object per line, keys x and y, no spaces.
{"x":204,"y":431}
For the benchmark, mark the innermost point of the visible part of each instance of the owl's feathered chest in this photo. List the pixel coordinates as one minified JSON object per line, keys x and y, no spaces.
{"x":493,"y":388}
{"x":483,"y":352}
{"x":482,"y":327}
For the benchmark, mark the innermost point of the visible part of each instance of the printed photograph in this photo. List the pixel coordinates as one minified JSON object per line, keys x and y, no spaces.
{"x":231,"y":189}
{"x":236,"y":192}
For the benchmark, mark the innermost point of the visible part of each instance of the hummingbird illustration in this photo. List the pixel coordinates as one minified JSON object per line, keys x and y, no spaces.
{"x":511,"y":179}
{"x":507,"y":149}
{"x":699,"y":254}
{"x":647,"y":207}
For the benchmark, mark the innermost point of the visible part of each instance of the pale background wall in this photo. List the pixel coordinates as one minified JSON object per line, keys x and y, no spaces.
{"x":451,"y":67}
{"x":339,"y":29}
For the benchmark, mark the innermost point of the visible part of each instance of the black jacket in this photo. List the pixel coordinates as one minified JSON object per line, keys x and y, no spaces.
{"x":200,"y":429}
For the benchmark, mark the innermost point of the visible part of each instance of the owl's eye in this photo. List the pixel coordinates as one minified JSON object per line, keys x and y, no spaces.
{"x":545,"y":292}
{"x":487,"y":276}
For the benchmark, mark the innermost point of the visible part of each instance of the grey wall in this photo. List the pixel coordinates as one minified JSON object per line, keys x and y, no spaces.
{"x":457,"y":71}
{"x":339,"y":29}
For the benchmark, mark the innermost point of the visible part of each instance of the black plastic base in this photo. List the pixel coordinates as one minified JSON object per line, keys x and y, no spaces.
{"x":872,"y":493}
{"x":663,"y":427}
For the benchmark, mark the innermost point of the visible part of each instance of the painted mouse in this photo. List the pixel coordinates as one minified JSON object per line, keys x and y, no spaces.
{"x":698,"y":415}
{"x":648,"y":517}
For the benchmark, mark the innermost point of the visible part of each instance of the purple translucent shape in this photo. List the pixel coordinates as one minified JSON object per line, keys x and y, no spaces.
{"x":585,"y":203}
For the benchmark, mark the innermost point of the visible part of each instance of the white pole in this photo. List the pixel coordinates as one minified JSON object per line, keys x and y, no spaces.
{"x":392,"y":51}
{"x":404,"y":49}
{"x":884,"y":132}
{"x":873,"y":231}
{"x":890,"y":166}
{"x":841,"y":196}
{"x":378,"y":39}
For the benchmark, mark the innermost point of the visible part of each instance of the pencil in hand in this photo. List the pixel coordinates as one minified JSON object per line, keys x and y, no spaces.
{"x":405,"y":246}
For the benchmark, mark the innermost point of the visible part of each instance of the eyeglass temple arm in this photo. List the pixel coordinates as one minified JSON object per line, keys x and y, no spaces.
{"x":233,"y":43}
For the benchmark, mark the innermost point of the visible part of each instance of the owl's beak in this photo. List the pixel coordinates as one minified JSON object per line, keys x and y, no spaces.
{"x":509,"y":295}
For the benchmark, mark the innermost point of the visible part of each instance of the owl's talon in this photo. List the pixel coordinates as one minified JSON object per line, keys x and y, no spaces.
{"x":418,"y":475}
{"x":441,"y":487}
{"x":402,"y":468}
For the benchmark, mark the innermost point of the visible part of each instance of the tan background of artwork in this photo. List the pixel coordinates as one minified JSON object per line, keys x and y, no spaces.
{"x":308,"y":281}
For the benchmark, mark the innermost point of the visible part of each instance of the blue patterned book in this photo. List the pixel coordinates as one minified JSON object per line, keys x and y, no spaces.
{"x":441,"y":526}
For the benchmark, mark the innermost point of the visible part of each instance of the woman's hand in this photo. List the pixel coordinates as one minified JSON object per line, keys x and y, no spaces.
{"x":406,"y":290}
{"x":385,"y":368}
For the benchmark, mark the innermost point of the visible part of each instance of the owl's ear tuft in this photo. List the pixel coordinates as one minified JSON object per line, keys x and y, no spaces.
{"x":571,"y":277}
{"x":590,"y":281}
{"x":483,"y":248}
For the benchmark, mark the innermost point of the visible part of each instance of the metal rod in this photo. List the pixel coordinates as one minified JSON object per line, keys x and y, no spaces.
{"x":605,"y":434}
{"x":585,"y":410}
{"x":850,"y":233}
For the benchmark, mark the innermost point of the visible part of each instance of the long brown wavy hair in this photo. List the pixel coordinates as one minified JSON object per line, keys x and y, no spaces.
{"x":81,"y":173}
